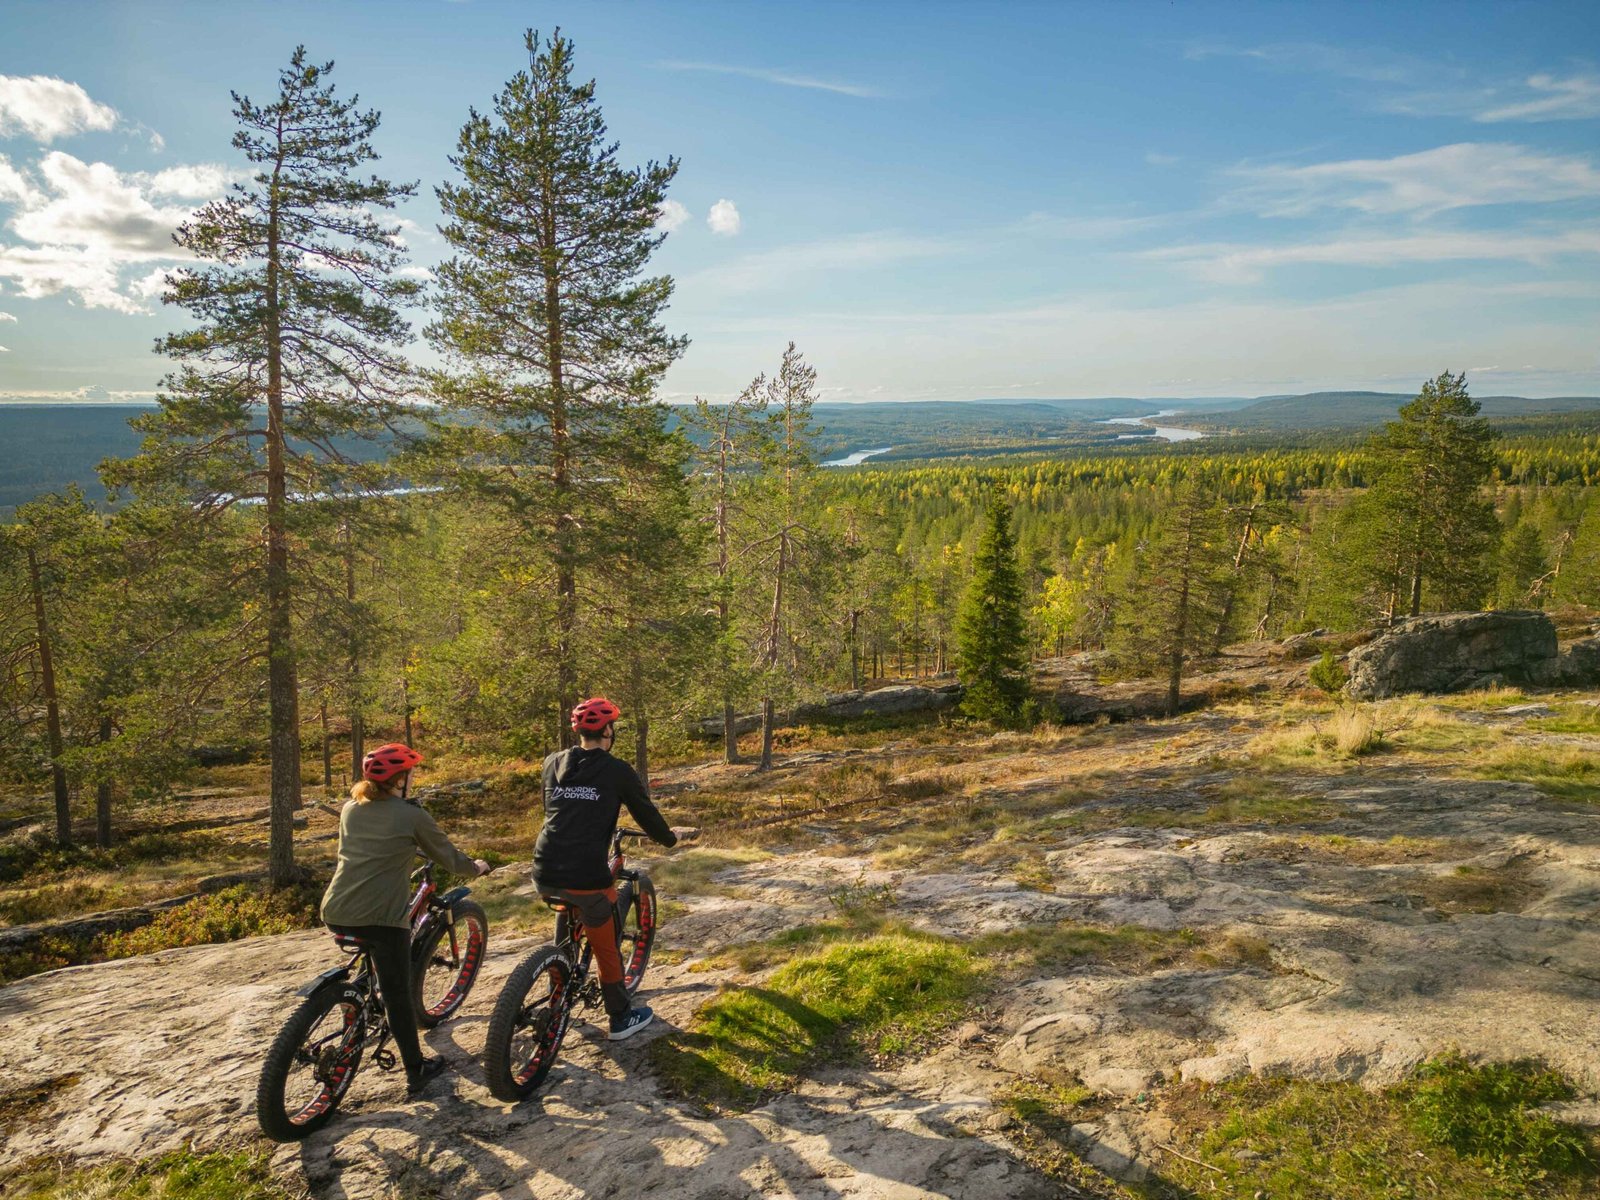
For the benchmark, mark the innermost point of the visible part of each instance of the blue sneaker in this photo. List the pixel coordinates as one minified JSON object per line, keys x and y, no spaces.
{"x":630,"y":1023}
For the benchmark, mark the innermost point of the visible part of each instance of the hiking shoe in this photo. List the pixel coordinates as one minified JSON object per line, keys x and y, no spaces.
{"x":625,"y":1025}
{"x":417,"y":1081}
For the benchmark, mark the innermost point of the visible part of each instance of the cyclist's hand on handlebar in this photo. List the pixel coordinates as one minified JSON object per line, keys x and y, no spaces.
{"x":483,"y":866}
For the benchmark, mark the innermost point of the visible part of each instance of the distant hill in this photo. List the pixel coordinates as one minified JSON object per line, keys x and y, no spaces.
{"x":1364,"y":410}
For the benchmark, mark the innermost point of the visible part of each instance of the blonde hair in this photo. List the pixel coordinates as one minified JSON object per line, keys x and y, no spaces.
{"x":365,"y":791}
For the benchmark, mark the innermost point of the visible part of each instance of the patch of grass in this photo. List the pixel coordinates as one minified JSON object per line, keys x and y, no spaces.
{"x":180,"y":1175}
{"x":1569,"y":718}
{"x":690,"y":872}
{"x":1454,"y":1131}
{"x":1486,"y":700}
{"x":237,"y":912}
{"x":878,"y":997}
{"x":1472,"y":889}
{"x":1563,"y":772}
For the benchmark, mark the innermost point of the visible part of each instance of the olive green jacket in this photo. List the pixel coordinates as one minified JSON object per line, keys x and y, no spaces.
{"x":378,"y":841}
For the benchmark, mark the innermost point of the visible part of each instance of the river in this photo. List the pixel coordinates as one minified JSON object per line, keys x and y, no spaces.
{"x":856,"y":459}
{"x":1165,"y":432}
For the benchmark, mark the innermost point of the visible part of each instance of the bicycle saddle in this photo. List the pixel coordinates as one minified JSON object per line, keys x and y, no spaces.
{"x":349,"y":943}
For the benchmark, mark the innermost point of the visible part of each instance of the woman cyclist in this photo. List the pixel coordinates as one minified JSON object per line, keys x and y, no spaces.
{"x":380,"y":833}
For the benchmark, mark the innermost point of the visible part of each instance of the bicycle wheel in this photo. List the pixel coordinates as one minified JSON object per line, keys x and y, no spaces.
{"x":527,"y":1025}
{"x":636,"y":909}
{"x":311,"y":1063}
{"x":444,"y":964}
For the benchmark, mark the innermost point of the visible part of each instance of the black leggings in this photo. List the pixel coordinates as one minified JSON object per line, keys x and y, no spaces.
{"x":390,"y":946}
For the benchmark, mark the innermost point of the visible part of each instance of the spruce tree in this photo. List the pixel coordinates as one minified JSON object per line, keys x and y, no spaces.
{"x":551,"y":334}
{"x":991,"y":637}
{"x":296,"y":349}
{"x":1425,"y":529}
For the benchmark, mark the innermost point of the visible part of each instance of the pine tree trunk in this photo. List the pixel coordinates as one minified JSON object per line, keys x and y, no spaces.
{"x":102,"y":796}
{"x":52,"y":706}
{"x":855,"y":650}
{"x":358,"y":729}
{"x":730,"y":732}
{"x":641,"y":750}
{"x":327,"y":747}
{"x":282,"y":691}
{"x":1181,"y":632}
{"x":766,"y":734}
{"x":561,"y":478}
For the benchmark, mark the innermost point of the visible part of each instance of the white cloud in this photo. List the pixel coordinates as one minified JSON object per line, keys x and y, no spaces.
{"x":5,"y":316}
{"x":84,"y":226}
{"x":415,"y":272}
{"x":1553,"y":99}
{"x":5,"y":349}
{"x":201,"y":181}
{"x":14,"y":185}
{"x":671,"y":216}
{"x":1229,"y":262}
{"x":1456,"y":176}
{"x":45,"y":109}
{"x":784,"y":78}
{"x":724,"y":218}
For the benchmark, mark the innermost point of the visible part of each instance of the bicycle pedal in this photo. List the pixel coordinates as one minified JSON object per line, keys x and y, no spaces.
{"x":386,"y":1060}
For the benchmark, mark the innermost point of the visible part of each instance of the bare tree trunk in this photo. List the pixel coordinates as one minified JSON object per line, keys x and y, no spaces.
{"x":730,"y":732}
{"x":405,"y":701}
{"x":52,"y":706}
{"x":767,"y":717}
{"x":855,"y":649}
{"x":561,"y":479}
{"x":641,"y":750}
{"x":283,"y":700}
{"x":102,"y":796}
{"x":327,"y":747}
{"x":358,"y":725}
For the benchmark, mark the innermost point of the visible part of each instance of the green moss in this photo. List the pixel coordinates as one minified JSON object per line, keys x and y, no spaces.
{"x":1560,"y":772}
{"x":181,"y":1175}
{"x":1569,"y":718}
{"x":883,"y":996}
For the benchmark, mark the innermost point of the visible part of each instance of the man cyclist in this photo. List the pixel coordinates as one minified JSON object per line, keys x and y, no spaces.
{"x":585,"y":789}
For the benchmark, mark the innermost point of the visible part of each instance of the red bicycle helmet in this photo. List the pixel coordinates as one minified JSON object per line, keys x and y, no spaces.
{"x":384,"y":763}
{"x":594,"y":714}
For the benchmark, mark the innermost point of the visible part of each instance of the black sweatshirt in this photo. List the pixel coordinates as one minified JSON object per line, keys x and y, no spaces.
{"x":584,"y":791}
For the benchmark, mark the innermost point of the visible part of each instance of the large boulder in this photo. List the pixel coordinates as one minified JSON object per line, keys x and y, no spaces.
{"x":1579,"y":665}
{"x":879,"y":702}
{"x":1455,"y":652}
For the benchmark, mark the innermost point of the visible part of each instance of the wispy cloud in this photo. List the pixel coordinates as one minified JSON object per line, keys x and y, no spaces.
{"x":781,"y":77}
{"x":1237,"y":262}
{"x":1411,"y":85}
{"x":1463,"y":175}
{"x":1552,"y":99}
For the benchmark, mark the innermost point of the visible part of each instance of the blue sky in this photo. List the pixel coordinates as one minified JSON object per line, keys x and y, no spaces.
{"x":936,"y":201}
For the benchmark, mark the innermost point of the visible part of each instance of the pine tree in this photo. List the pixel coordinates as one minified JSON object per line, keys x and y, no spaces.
{"x":552,"y":337}
{"x":1424,"y":526}
{"x":1522,"y":566}
{"x":1178,"y":589}
{"x":991,"y":637}
{"x":298,"y":305}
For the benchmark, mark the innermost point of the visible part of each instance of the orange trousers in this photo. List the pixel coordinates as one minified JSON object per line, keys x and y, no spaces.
{"x":602,"y":931}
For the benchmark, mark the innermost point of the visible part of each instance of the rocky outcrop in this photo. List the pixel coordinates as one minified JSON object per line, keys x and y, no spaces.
{"x":880,"y":702}
{"x":1455,"y":652}
{"x":1579,"y":663}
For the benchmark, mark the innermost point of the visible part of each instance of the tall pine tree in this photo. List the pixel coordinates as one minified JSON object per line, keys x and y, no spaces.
{"x":551,"y":333}
{"x":298,"y":304}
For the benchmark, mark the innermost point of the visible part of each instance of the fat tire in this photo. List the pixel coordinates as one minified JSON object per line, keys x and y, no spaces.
{"x":274,"y":1119}
{"x":466,"y":912}
{"x":636,"y":902}
{"x":498,"y":1070}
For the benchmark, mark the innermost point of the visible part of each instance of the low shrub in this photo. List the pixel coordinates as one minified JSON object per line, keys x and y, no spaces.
{"x":238,"y":912}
